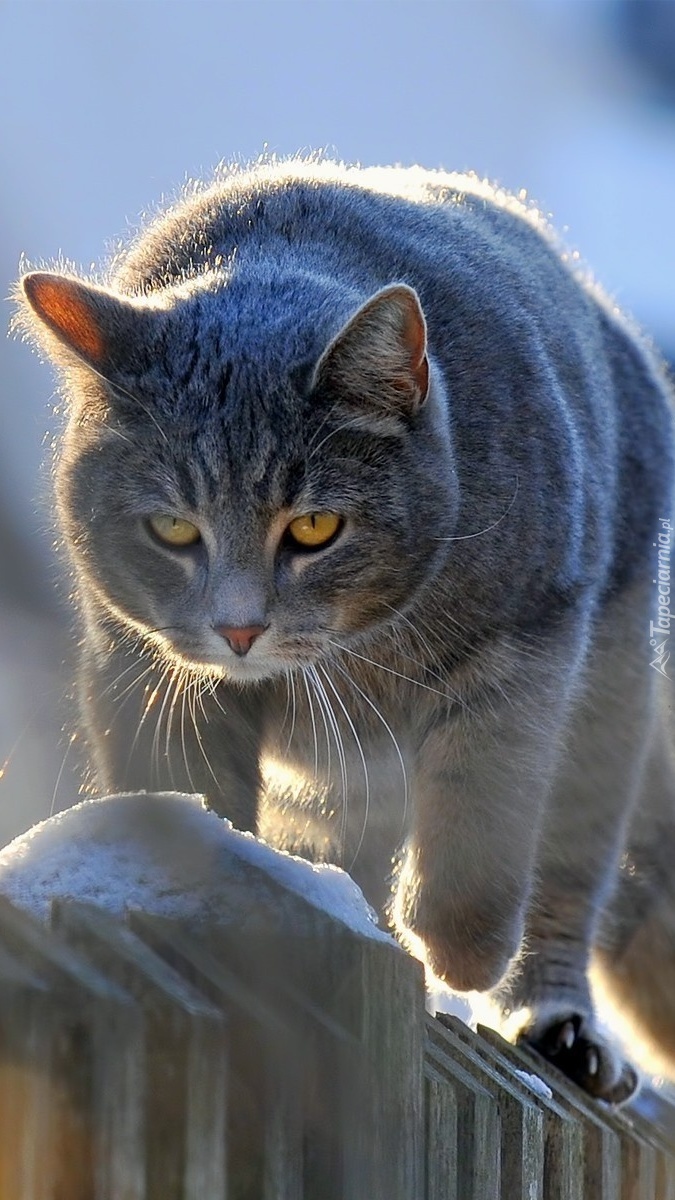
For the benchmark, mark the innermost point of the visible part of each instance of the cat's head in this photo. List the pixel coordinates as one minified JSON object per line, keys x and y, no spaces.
{"x":245,"y":487}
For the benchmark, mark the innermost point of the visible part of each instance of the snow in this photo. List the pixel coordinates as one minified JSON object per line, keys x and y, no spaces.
{"x":165,"y":854}
{"x":535,"y":1084}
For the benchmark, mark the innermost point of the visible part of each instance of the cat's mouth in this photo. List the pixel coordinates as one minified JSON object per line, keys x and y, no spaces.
{"x":264,"y":661}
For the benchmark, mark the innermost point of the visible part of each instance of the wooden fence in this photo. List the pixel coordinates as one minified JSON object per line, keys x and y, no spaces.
{"x":148,"y":1061}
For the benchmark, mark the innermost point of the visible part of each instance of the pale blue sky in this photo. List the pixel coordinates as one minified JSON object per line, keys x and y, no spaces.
{"x":106,"y":105}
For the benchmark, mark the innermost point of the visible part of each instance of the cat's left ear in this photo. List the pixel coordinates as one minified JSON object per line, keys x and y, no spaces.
{"x":380,"y":355}
{"x":97,"y":326}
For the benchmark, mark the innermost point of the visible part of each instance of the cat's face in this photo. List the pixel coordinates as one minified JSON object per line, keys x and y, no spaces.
{"x":248,"y":521}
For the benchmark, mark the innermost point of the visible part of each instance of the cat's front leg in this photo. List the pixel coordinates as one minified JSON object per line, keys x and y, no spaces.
{"x":483,"y":775}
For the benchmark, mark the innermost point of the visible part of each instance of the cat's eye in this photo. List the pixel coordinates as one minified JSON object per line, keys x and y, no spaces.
{"x":174,"y":531}
{"x":311,"y":531}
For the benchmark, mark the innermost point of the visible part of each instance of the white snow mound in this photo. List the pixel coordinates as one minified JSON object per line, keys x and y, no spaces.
{"x":161,"y":853}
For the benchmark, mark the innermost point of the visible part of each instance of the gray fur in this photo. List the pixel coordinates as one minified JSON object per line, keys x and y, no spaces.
{"x":475,"y":642}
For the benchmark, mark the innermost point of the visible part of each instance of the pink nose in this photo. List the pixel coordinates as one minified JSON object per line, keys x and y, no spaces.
{"x":240,"y":637}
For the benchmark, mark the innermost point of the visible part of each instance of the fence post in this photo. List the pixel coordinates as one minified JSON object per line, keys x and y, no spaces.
{"x":184,"y":1110}
{"x":72,"y":1063}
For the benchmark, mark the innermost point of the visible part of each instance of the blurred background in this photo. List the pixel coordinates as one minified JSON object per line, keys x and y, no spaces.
{"x":107,"y":106}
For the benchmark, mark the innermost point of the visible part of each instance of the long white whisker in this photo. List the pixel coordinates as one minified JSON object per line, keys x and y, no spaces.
{"x":71,"y":740}
{"x":311,"y":714}
{"x":291,"y":680}
{"x":464,"y":537}
{"x":337,"y":736}
{"x":192,"y":704}
{"x":148,"y":705}
{"x":118,"y":388}
{"x":306,"y":671}
{"x":154,"y":756}
{"x":378,"y":714}
{"x":357,"y":739}
{"x":353,"y":423}
{"x":122,"y":675}
{"x":182,"y":740}
{"x":212,"y":686}
{"x":391,"y":671}
{"x":178,"y":689}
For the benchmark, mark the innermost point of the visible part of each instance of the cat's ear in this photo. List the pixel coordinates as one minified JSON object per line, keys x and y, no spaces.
{"x":380,"y":355}
{"x":100,"y":328}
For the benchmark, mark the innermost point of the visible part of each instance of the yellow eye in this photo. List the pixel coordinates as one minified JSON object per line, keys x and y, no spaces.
{"x":314,"y":529}
{"x":174,"y":531}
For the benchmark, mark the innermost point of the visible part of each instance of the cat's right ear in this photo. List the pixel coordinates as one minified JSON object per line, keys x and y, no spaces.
{"x":95,"y":325}
{"x":380,"y":356}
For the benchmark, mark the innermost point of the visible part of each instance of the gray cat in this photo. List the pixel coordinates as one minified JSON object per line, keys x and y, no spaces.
{"x":364,"y":489}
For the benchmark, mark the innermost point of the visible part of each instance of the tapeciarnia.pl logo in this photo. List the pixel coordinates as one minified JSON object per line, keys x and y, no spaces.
{"x":659,"y":630}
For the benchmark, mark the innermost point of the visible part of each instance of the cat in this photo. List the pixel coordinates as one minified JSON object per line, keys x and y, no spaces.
{"x":364,"y":485}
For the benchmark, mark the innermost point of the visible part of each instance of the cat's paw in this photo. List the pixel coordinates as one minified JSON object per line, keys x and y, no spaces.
{"x":572,"y":1043}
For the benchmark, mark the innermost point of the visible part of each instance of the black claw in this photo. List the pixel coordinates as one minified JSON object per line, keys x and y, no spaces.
{"x":584,"y":1061}
{"x":567,"y":1036}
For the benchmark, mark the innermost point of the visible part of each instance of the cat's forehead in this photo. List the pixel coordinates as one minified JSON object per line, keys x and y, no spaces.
{"x":237,"y":435}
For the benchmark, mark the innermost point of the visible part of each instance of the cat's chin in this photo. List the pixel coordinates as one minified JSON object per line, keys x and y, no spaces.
{"x":244,"y":670}
{"x":249,"y":672}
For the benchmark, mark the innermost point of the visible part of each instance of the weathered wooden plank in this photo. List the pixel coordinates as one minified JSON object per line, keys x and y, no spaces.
{"x":653,"y":1134}
{"x":602,"y":1141}
{"x":638,"y":1159}
{"x":87,"y":1048}
{"x":665,"y":1177}
{"x":355,"y":1006}
{"x":522,"y":1121}
{"x":27,"y":1013}
{"x":391,"y":1115}
{"x":442,"y":1142}
{"x":563,"y":1138}
{"x":475,"y":1155}
{"x":184,"y":1117}
{"x":268,"y":1059}
{"x":284,"y":1129}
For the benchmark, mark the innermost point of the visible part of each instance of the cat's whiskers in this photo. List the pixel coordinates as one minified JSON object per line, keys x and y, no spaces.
{"x":154,"y":752}
{"x":352,"y":423}
{"x":194,"y":695}
{"x":178,"y":690}
{"x":313,"y":720}
{"x":117,"y":387}
{"x":338,"y":697}
{"x":71,"y":740}
{"x":309,"y":680}
{"x":463,"y":537}
{"x":324,"y":700}
{"x":290,"y":684}
{"x":446,"y":695}
{"x":186,"y":762}
{"x":322,"y":425}
{"x":117,"y":432}
{"x":406,"y":793}
{"x":121,"y":700}
{"x":212,"y":686}
{"x":200,"y":685}
{"x":420,"y":637}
